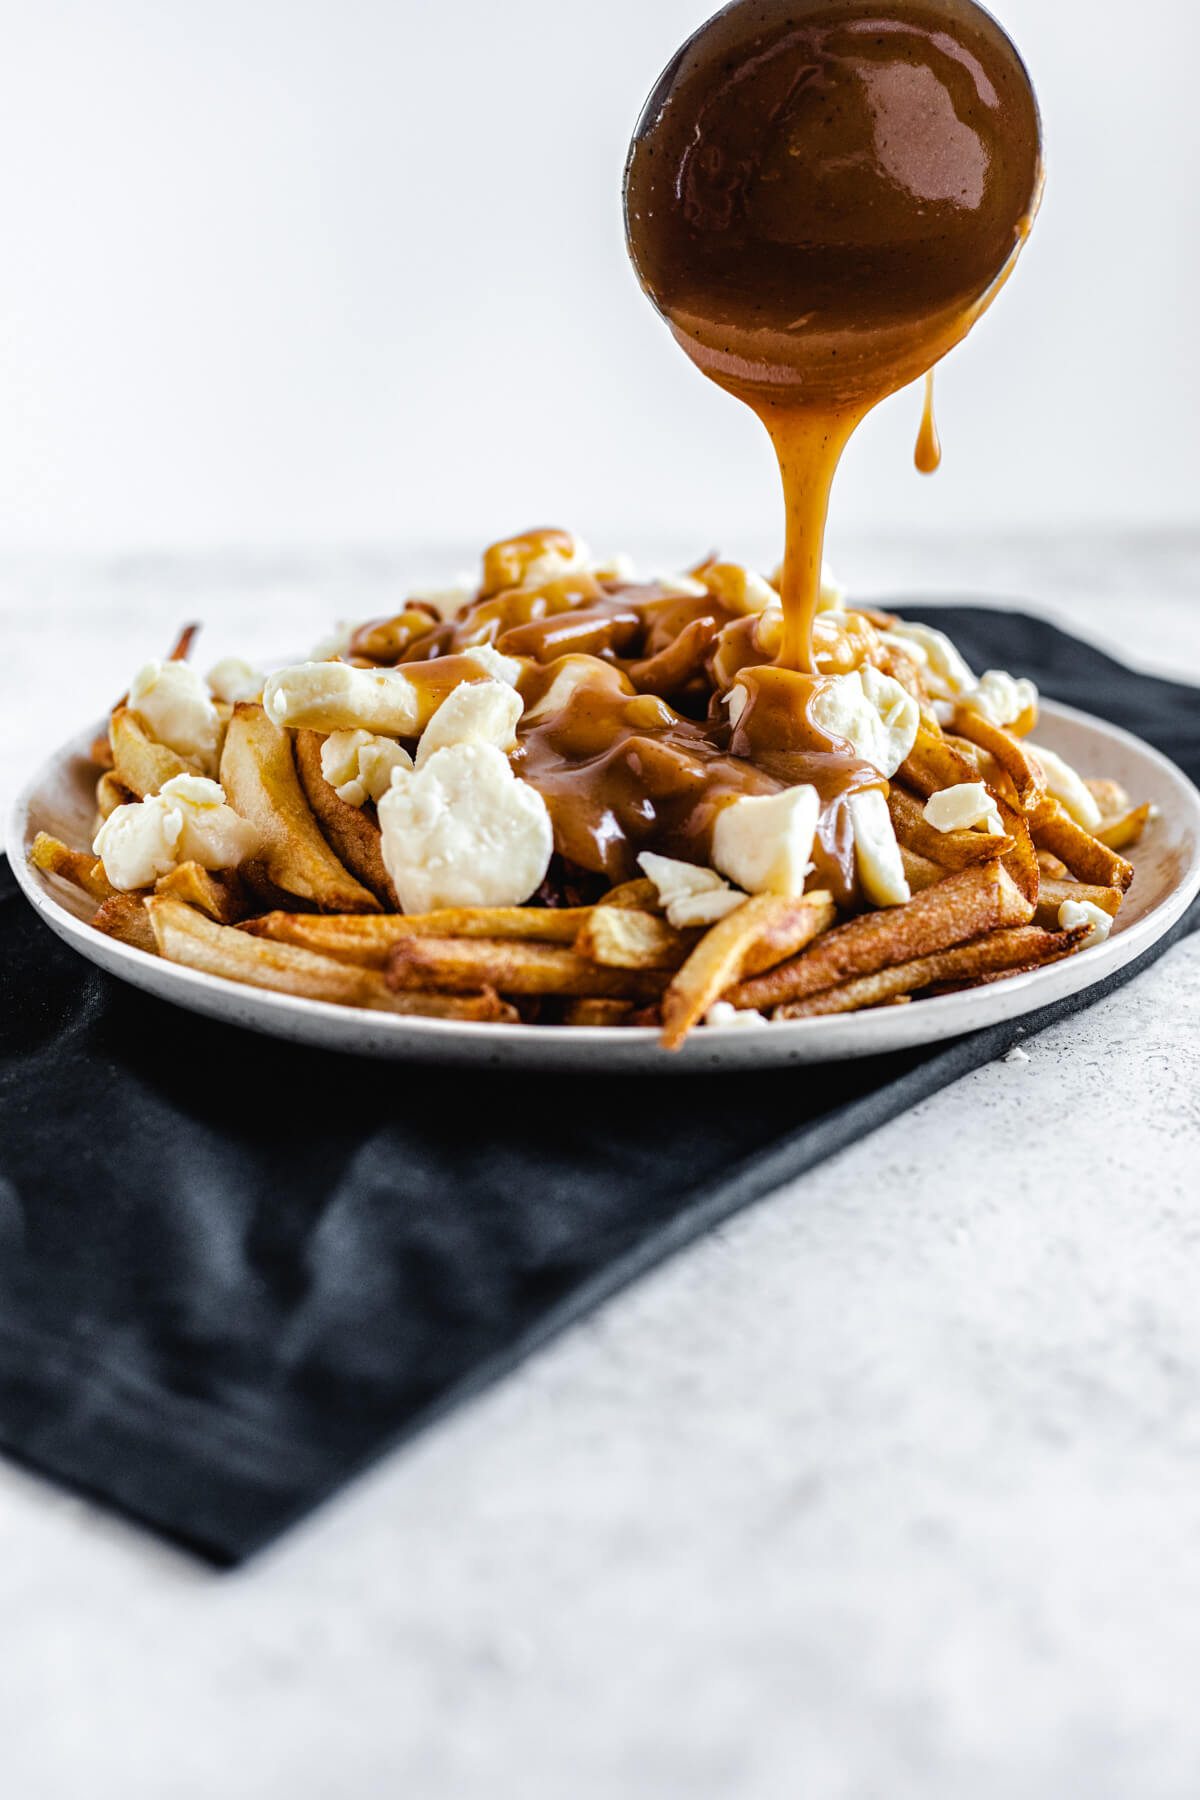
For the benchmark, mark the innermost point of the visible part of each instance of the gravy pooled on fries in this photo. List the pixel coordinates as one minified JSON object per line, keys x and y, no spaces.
{"x":571,"y":797}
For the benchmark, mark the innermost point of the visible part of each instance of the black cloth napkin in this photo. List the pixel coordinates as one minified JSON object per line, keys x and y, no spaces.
{"x":234,"y":1271}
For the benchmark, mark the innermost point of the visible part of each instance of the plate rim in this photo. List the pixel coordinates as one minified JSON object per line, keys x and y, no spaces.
{"x":217,"y":997}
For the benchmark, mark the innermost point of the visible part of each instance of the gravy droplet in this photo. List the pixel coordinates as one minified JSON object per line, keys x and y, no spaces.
{"x":928,"y":457}
{"x":821,"y":198}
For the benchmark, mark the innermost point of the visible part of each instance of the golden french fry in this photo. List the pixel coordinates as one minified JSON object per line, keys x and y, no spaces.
{"x":186,"y":936}
{"x":1021,"y":861}
{"x":1113,"y":800}
{"x":1001,"y":953}
{"x":141,"y":764}
{"x":1026,"y":772}
{"x":223,"y":896}
{"x":101,"y":751}
{"x":368,"y":939}
{"x":182,"y":647}
{"x":952,"y":849}
{"x":963,"y":906}
{"x":597,"y":1012}
{"x":934,"y":764}
{"x":1052,"y":867}
{"x":124,"y":916}
{"x":889,"y":659}
{"x":1054,"y":892}
{"x":260,"y":781}
{"x":1087,"y":858}
{"x":81,"y":870}
{"x":1124,"y":832}
{"x":624,"y":938}
{"x":110,"y":794}
{"x":642,"y":895}
{"x":754,"y":937}
{"x":458,"y":964}
{"x":919,"y":871}
{"x":352,"y":831}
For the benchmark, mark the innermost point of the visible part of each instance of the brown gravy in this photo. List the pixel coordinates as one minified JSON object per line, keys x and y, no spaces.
{"x":821,"y":198}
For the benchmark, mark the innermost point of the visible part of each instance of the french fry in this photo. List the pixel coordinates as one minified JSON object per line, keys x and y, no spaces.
{"x":1124,"y":832}
{"x":1052,"y":867}
{"x":597,"y":1012}
{"x":755,"y":936}
{"x":919,"y":871}
{"x":1021,"y":861}
{"x":933,"y":764}
{"x":642,"y":895}
{"x":952,"y":849}
{"x":1055,"y":892}
{"x":1026,"y":772}
{"x":222,"y":896}
{"x":963,"y":906}
{"x":124,"y":917}
{"x":140,"y":763}
{"x":185,"y":936}
{"x":994,"y":773}
{"x":1087,"y":858}
{"x":623,"y":937}
{"x":182,"y":647}
{"x":368,"y":939}
{"x":81,"y":870}
{"x":351,"y":831}
{"x":1001,"y":953}
{"x":460,"y":964}
{"x":260,"y":781}
{"x":101,"y":751}
{"x":110,"y":794}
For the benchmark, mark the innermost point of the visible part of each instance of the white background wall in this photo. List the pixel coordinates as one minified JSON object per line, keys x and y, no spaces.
{"x":293,"y":272}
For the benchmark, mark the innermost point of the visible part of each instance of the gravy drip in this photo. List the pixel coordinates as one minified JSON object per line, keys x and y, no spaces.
{"x":928,"y":456}
{"x":821,"y":198}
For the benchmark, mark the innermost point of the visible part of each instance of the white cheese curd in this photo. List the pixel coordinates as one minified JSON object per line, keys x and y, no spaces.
{"x":620,"y":567}
{"x":763,"y":842}
{"x":358,"y":765}
{"x":1073,"y":913}
{"x":945,"y":673}
{"x":175,"y":706}
{"x":464,"y":831}
{"x":554,"y":562}
{"x":680,"y":587}
{"x":726,"y":1017}
{"x":234,"y":679}
{"x":1001,"y":698}
{"x":1069,"y":788}
{"x":575,"y":670}
{"x":332,"y":696}
{"x":188,"y":821}
{"x":876,"y":716}
{"x":739,"y":589}
{"x":689,"y":894}
{"x":832,"y":597}
{"x":500,"y":668}
{"x":137,"y":843}
{"x":963,"y":807}
{"x":335,"y":643}
{"x":481,"y":712}
{"x":876,"y":852}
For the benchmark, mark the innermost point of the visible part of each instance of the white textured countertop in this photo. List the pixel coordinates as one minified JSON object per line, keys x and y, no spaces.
{"x":890,"y":1488}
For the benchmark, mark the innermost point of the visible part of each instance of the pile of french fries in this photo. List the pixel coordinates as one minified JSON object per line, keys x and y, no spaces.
{"x":314,"y":914}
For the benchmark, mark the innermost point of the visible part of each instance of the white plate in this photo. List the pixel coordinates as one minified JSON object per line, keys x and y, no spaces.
{"x":61,"y":800}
